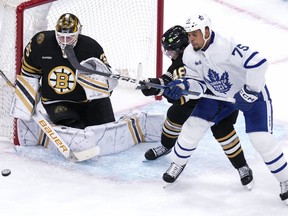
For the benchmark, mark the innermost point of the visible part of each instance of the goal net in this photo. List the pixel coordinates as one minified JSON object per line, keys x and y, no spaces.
{"x":128,"y":30}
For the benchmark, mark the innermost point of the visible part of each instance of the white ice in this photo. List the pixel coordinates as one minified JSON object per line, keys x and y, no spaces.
{"x":122,"y":184}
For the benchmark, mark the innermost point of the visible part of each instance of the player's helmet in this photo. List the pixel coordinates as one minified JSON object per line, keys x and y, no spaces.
{"x":67,"y":30}
{"x":196,"y":22}
{"x":175,"y":39}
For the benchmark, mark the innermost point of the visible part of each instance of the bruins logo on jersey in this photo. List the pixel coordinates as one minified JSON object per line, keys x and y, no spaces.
{"x":62,"y":79}
{"x":40,"y":38}
{"x":60,"y":109}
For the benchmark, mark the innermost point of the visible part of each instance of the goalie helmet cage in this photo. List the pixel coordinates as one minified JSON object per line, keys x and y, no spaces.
{"x":129,"y":30}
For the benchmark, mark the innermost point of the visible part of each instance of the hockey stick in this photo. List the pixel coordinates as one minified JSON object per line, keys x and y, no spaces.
{"x":75,"y":63}
{"x":55,"y":138}
{"x":190,"y":94}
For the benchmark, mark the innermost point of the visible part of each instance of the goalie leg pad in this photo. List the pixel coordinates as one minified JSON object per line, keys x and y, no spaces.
{"x":28,"y":133}
{"x":128,"y":131}
{"x":25,"y":97}
{"x":112,"y":137}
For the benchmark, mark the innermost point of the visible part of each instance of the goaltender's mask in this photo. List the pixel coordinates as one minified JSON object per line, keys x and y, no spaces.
{"x":67,"y":30}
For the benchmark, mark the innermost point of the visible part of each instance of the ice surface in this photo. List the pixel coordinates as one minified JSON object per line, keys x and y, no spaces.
{"x":123,"y":184}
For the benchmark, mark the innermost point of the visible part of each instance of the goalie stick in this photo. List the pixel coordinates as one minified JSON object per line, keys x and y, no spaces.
{"x":69,"y":51}
{"x":190,"y":94}
{"x":54,"y":136}
{"x":75,"y":63}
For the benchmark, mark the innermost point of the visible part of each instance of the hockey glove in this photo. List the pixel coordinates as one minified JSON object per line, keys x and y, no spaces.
{"x":174,"y":89}
{"x":148,"y":91}
{"x":245,"y":98}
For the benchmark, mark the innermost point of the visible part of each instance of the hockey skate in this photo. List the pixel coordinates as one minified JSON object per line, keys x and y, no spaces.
{"x":246,"y":176}
{"x":173,"y":173}
{"x":284,"y":191}
{"x":154,"y":153}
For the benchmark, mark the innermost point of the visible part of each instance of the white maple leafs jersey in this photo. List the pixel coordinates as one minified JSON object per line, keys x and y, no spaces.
{"x":226,"y":66}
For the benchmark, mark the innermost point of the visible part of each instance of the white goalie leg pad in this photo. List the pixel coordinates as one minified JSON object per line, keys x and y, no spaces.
{"x":192,"y":131}
{"x":128,"y":131}
{"x":25,"y":97}
{"x":112,"y":137}
{"x":151,"y":124}
{"x":77,"y":139}
{"x":29,"y":133}
{"x":271,"y":153}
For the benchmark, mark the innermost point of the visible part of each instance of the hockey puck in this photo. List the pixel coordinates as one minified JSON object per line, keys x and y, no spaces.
{"x":6,"y":172}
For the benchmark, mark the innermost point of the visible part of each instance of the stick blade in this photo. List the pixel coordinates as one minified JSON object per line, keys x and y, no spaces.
{"x":84,"y":155}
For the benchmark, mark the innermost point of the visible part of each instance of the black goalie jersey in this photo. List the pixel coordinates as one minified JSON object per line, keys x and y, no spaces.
{"x":43,"y":59}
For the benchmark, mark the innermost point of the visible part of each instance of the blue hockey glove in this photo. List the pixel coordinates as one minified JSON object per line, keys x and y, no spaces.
{"x":245,"y":98}
{"x":174,"y":89}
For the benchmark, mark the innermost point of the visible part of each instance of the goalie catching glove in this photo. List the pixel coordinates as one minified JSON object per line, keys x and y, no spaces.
{"x":96,"y":86}
{"x":244,"y":98}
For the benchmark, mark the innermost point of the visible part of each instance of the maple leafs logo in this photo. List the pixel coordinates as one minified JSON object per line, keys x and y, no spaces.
{"x":220,"y":84}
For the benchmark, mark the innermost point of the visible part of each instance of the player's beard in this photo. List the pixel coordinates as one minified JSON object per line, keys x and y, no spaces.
{"x":196,"y":48}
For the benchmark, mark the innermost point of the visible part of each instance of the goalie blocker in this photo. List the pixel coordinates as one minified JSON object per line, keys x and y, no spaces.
{"x":112,"y":137}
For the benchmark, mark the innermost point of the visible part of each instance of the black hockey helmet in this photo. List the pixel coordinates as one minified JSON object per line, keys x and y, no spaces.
{"x":175,"y":39}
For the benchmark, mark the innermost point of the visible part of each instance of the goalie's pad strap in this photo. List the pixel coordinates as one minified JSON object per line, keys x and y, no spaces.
{"x":135,"y":129}
{"x":43,"y":140}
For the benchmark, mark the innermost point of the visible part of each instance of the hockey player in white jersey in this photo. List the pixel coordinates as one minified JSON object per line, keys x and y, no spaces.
{"x":228,"y":69}
{"x":174,"y":41}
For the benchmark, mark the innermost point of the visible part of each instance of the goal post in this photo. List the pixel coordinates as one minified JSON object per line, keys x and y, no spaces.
{"x":129,"y":30}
